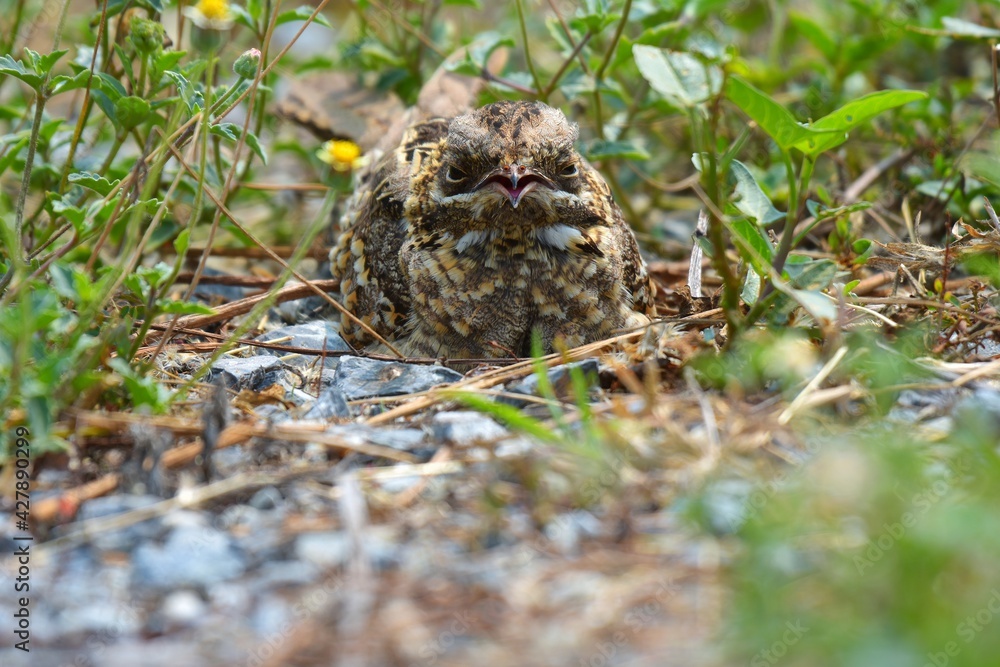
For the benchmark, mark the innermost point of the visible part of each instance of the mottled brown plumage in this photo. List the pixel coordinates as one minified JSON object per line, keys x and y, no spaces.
{"x":477,"y":231}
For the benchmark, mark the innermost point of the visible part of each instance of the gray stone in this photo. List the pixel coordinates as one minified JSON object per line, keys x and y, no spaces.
{"x":404,"y":439}
{"x":214,"y":295}
{"x":125,"y":538}
{"x":465,"y":427}
{"x":560,"y":378}
{"x":267,"y":498}
{"x":328,"y":549}
{"x":567,"y":530}
{"x":182,"y":607}
{"x":317,"y":335}
{"x":363,"y":378}
{"x":286,"y":573}
{"x":255,"y":373}
{"x":272,"y":413}
{"x":191,"y":557}
{"x":331,"y":404}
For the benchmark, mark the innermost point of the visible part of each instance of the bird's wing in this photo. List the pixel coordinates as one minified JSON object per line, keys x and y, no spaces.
{"x":373,"y":229}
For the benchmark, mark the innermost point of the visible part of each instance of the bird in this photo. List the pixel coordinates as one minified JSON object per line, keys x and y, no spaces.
{"x":481,"y":233}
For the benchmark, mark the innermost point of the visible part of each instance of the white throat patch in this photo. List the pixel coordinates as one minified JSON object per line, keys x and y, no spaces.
{"x":558,"y":236}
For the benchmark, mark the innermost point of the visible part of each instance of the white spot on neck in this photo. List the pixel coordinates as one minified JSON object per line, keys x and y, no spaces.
{"x":558,"y":236}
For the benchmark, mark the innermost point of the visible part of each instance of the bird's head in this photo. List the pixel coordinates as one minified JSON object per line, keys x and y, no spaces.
{"x":511,"y":163}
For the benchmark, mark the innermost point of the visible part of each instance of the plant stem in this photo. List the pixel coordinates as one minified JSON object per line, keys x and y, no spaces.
{"x":565,"y":66}
{"x":22,"y":195}
{"x":792,"y":217}
{"x":113,"y":152}
{"x":704,"y":139}
{"x":527,"y":51}
{"x":599,"y":72}
{"x":609,"y":54}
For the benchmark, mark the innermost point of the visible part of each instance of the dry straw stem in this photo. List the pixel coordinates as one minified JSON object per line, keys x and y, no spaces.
{"x":92,"y":423}
{"x":240,"y":483}
{"x":499,"y":376}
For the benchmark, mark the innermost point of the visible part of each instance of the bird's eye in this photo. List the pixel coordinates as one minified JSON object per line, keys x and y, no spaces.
{"x":569,"y":170}
{"x":455,"y":174}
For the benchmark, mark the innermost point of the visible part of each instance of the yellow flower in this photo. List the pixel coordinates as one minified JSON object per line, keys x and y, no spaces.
{"x":341,"y":155}
{"x":211,"y":14}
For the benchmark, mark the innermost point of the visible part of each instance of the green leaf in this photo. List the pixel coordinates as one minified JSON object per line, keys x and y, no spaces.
{"x":231,"y":131}
{"x":817,"y":35}
{"x":254,"y":10}
{"x":63,"y":83}
{"x":986,"y":265}
{"x":754,"y":247}
{"x":183,"y":308}
{"x":602,"y":150}
{"x":751,"y":199}
{"x":64,"y":206}
{"x":852,"y":114}
{"x":773,"y":118}
{"x":15,"y":68}
{"x":107,"y":106}
{"x":814,"y":302}
{"x":63,"y":282}
{"x":131,"y":111}
{"x":981,"y":165}
{"x":478,"y":53}
{"x":182,"y":241}
{"x":111,"y":86}
{"x":301,"y":14}
{"x":46,"y":62}
{"x":751,"y":288}
{"x":243,"y":17}
{"x":255,"y":146}
{"x":821,"y":212}
{"x":92,"y":181}
{"x":168,"y":59}
{"x":464,"y":3}
{"x":593,"y":17}
{"x":11,"y":153}
{"x":679,"y":77}
{"x":810,"y":274}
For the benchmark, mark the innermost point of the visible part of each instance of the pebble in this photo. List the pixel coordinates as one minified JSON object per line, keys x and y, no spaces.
{"x":126,"y":537}
{"x":267,"y":498}
{"x":191,"y":557}
{"x":311,"y":335}
{"x":324,"y":549}
{"x":256,"y":373}
{"x":331,"y":404}
{"x":466,"y":427}
{"x":182,"y":607}
{"x":405,"y":439}
{"x":560,"y":378}
{"x":358,"y":377}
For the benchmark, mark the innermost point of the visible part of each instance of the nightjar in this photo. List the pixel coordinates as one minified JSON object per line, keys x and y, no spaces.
{"x":480,"y":231}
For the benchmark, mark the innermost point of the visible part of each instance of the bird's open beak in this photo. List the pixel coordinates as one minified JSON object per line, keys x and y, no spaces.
{"x":515,"y":181}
